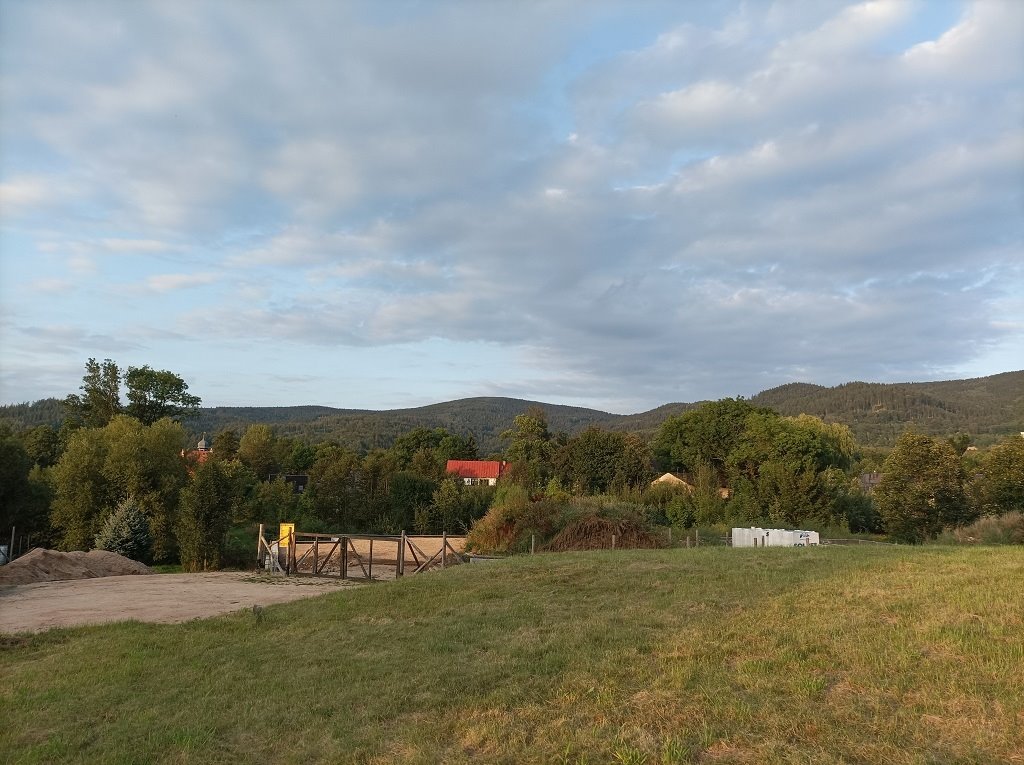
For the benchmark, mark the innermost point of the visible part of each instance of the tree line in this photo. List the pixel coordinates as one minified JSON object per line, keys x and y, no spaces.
{"x":123,"y":476}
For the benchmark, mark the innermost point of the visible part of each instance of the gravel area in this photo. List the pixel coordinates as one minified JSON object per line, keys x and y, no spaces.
{"x":164,"y":598}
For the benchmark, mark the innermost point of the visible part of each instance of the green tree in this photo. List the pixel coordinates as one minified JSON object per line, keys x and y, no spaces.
{"x":155,"y":394}
{"x":15,"y":489}
{"x":598,"y":461}
{"x":708,"y":434}
{"x":273,"y":502}
{"x":82,"y":494}
{"x":999,"y":486}
{"x":633,"y":470}
{"x":204,"y":517}
{"x":43,"y":445}
{"x":409,"y":493}
{"x":225,"y":445}
{"x":102,"y":466}
{"x":300,"y":459}
{"x":335,"y":492}
{"x":922,"y":488}
{"x":531,"y":446}
{"x":126,"y":531}
{"x":447,"y":504}
{"x":100,"y":399}
{"x":256,"y":450}
{"x":709,"y":506}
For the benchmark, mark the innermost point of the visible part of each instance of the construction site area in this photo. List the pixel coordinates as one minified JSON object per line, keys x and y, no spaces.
{"x":44,"y":589}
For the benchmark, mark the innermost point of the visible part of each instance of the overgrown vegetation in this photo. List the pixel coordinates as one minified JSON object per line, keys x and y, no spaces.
{"x":901,"y":655}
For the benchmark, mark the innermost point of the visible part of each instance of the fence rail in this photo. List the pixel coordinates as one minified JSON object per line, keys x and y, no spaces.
{"x":357,"y":556}
{"x":14,"y":546}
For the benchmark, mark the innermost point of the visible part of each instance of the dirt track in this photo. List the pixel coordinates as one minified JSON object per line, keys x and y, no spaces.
{"x":165,"y":598}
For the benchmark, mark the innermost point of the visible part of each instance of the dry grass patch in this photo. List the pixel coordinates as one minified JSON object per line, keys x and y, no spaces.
{"x":895,"y":655}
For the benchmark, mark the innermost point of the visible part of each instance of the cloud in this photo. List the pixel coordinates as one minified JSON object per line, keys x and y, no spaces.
{"x":25,"y":191}
{"x":641,"y":203}
{"x":52,"y":285}
{"x":172,"y":282}
{"x":135,"y":245}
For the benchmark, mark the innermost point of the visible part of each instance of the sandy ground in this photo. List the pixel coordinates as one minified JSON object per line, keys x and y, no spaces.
{"x":165,"y":598}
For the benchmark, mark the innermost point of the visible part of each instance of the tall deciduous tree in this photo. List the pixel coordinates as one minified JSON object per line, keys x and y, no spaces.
{"x":15,"y":490}
{"x":225,"y":445}
{"x":102,"y":466}
{"x":598,"y":461}
{"x":43,"y":445}
{"x":100,"y":398}
{"x":204,"y":517}
{"x":531,"y":446}
{"x":706,"y":435}
{"x":999,"y":488}
{"x":154,"y":394}
{"x":256,"y":450}
{"x":922,"y":488}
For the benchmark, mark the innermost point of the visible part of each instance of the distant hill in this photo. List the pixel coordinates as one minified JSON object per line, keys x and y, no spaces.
{"x":987,"y":408}
{"x":363,"y":429}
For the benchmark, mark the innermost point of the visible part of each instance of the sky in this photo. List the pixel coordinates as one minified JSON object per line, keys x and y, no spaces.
{"x":607,"y":204}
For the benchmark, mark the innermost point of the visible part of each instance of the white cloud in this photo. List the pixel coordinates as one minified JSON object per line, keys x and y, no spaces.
{"x":173,"y":282}
{"x":749,"y":196}
{"x":25,"y":191}
{"x":135,"y":245}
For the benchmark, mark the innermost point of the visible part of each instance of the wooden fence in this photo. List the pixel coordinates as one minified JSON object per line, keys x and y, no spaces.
{"x":358,"y":556}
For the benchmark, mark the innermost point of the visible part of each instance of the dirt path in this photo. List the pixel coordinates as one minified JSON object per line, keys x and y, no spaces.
{"x":165,"y":598}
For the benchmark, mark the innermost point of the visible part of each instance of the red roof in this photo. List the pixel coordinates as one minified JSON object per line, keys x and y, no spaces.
{"x":476,"y":468}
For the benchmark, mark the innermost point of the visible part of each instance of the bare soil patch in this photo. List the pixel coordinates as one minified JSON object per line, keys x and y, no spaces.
{"x":164,"y":598}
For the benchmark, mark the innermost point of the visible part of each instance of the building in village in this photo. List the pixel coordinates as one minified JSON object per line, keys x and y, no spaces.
{"x":477,"y":472}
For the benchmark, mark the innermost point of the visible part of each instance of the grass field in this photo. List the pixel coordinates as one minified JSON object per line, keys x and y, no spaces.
{"x":881,"y":655}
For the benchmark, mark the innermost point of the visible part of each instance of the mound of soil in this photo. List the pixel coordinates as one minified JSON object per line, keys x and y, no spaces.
{"x":594,"y":532}
{"x":42,"y":565}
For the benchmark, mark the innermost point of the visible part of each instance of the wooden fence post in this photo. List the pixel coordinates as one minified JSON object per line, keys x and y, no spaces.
{"x":669,"y":536}
{"x":697,"y":533}
{"x":687,"y":541}
{"x":400,"y":563}
{"x":533,"y":543}
{"x":613,"y":541}
{"x":344,"y":557}
{"x":444,"y":549}
{"x":259,"y":547}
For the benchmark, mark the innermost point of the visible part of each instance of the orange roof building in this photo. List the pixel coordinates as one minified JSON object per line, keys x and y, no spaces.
{"x":477,"y":472}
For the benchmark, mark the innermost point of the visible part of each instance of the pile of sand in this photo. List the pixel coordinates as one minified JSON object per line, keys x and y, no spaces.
{"x":41,"y":565}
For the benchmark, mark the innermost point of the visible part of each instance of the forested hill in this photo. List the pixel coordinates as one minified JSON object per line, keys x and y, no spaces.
{"x":986,"y":407}
{"x":485,"y":418}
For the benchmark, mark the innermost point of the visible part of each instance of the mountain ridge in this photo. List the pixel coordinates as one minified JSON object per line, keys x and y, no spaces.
{"x":984,"y":407}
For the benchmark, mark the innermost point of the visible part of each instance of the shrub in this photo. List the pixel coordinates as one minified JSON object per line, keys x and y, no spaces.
{"x":240,"y":547}
{"x":126,"y":531}
{"x":1006,"y":529}
{"x":577,"y":524}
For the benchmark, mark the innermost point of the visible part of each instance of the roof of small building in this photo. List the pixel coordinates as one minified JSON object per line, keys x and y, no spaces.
{"x":476,"y":468}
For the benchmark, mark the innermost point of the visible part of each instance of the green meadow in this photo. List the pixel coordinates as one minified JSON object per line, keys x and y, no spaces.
{"x":717,"y":655}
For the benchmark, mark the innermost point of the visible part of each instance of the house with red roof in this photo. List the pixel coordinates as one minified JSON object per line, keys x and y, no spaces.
{"x":477,"y":472}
